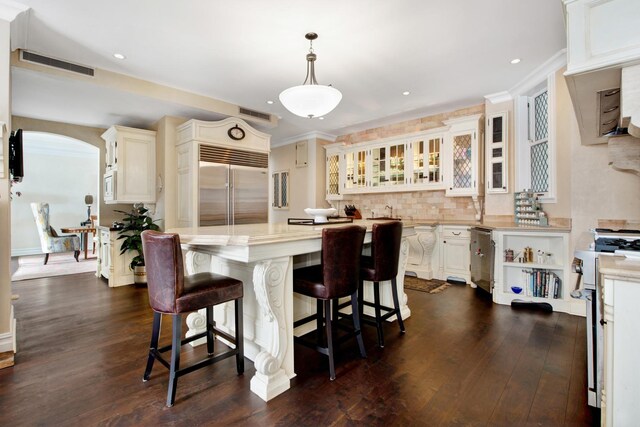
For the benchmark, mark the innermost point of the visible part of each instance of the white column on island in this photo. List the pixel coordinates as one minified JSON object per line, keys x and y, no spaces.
{"x":422,"y":245}
{"x":273,"y":284}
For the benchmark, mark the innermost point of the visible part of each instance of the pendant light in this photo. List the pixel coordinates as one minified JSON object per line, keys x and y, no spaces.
{"x":310,"y":99}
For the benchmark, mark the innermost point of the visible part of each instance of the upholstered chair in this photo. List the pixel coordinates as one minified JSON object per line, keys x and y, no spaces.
{"x":172,"y":293}
{"x":337,"y":276}
{"x":381,"y":266}
{"x":49,"y":239}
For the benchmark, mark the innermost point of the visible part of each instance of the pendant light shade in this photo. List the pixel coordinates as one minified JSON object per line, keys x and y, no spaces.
{"x":310,"y":99}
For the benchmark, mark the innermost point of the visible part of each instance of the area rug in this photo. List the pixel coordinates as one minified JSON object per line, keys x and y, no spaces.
{"x":32,"y":267}
{"x":432,"y":286}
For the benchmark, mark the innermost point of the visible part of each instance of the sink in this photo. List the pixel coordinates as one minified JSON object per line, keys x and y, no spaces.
{"x":386,"y":218}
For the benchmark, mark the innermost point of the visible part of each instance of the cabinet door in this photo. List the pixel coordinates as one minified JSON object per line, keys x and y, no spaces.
{"x":111,"y":155}
{"x":356,"y":170}
{"x":496,"y":143}
{"x":426,"y":166}
{"x":388,"y":165}
{"x":105,"y":253}
{"x":463,"y":159}
{"x":333,"y":176}
{"x":455,"y":257}
{"x":137,"y":159}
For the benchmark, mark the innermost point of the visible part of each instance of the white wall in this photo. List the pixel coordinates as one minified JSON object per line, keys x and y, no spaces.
{"x":58,"y":170}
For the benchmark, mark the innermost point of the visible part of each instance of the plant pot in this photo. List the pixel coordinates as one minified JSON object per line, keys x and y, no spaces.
{"x":139,"y":275}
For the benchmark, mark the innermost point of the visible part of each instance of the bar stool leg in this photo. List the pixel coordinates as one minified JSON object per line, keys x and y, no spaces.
{"x":319,"y":322}
{"x":175,"y":359}
{"x":361,"y":298}
{"x":239,"y":337}
{"x":394,"y":292}
{"x":153,"y":347}
{"x":356,"y":323}
{"x":376,"y":302}
{"x":327,"y":313}
{"x":210,"y":336}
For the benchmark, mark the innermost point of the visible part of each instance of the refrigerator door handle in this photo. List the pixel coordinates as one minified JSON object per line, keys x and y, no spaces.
{"x":230,"y":197}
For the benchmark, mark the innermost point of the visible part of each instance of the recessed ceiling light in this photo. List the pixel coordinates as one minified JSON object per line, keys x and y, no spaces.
{"x":119,"y":56}
{"x":269,"y":102}
{"x":406,"y":92}
{"x":515,"y":61}
{"x":320,"y":118}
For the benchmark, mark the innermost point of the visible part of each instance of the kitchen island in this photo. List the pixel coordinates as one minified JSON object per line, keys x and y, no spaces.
{"x":263,"y":256}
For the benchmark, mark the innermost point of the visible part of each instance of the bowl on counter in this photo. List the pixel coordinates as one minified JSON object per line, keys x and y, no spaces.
{"x":320,"y":215}
{"x":516,"y":289}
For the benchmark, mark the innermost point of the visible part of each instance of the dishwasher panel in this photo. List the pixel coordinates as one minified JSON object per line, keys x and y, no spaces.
{"x":482,"y":258}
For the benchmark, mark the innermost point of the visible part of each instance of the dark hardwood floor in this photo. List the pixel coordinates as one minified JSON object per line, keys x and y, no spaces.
{"x":464,"y":361}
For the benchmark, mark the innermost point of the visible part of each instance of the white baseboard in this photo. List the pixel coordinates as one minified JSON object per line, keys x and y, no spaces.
{"x":8,"y":339}
{"x":26,"y":251}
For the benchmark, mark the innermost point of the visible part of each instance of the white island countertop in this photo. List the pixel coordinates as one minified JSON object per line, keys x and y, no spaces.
{"x":261,"y":234}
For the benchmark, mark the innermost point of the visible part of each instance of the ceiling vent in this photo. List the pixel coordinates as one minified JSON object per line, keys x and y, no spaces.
{"x":257,"y":114}
{"x":55,"y":63}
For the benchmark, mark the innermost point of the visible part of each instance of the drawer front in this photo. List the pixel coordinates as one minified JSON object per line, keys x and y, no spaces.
{"x":453,"y":233}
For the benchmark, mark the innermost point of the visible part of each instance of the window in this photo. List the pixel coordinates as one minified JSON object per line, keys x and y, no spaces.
{"x":280,"y":190}
{"x":535,"y":141}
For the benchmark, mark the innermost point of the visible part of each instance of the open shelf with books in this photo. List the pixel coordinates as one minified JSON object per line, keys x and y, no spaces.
{"x":534,"y":265}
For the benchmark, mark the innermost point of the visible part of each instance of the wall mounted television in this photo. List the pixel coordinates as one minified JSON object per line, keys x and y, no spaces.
{"x":16,"y":167}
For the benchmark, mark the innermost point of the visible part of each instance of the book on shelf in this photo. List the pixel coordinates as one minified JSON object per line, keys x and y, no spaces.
{"x":541,"y":283}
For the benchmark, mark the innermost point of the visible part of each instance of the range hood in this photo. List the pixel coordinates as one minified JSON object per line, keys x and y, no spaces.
{"x":596,"y":98}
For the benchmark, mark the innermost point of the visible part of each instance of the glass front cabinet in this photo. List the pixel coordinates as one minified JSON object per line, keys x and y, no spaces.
{"x":448,"y":157}
{"x":355,"y":170}
{"x":496,"y":146}
{"x":334,"y":173}
{"x":426,"y":161}
{"x":464,"y":155}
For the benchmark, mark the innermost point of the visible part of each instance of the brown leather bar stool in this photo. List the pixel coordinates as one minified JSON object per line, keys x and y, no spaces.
{"x":382,"y":265}
{"x":173,"y":293}
{"x":336,"y":277}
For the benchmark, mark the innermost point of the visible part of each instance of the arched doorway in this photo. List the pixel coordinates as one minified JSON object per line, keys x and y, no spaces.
{"x":58,"y":170}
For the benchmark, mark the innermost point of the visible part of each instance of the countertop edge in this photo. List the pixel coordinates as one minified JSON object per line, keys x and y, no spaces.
{"x":620,"y":266}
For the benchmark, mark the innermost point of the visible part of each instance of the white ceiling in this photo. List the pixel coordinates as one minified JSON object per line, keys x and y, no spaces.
{"x":447,"y":53}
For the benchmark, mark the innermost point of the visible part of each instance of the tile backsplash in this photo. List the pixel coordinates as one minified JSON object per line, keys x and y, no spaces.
{"x":414,"y":205}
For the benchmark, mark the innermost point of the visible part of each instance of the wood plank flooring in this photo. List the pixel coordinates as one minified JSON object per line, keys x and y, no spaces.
{"x":464,"y":361}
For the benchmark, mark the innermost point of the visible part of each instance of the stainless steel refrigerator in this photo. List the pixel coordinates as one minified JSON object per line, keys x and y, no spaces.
{"x":231,"y":194}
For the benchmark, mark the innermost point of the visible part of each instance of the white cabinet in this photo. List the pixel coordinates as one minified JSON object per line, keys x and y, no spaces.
{"x":621,"y":391}
{"x":455,"y":258}
{"x":334,"y":173}
{"x":409,"y":163}
{"x":464,"y":156}
{"x":131,"y":165}
{"x":496,"y":153}
{"x":543,"y":279}
{"x":111,"y":265}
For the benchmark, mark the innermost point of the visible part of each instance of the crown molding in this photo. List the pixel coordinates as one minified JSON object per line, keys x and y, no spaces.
{"x":10,"y":9}
{"x":305,"y":136}
{"x":498,"y":97}
{"x":540,"y":74}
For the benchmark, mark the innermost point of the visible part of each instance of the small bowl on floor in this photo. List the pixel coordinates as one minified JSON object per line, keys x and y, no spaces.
{"x":516,"y":289}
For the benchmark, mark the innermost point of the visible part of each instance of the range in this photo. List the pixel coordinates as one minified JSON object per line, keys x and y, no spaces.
{"x":591,"y":246}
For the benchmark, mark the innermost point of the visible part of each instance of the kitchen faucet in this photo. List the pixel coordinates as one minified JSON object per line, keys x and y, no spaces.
{"x":391,"y":209}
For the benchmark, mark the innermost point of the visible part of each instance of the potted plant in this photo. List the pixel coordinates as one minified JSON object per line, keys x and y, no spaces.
{"x":135,"y":222}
